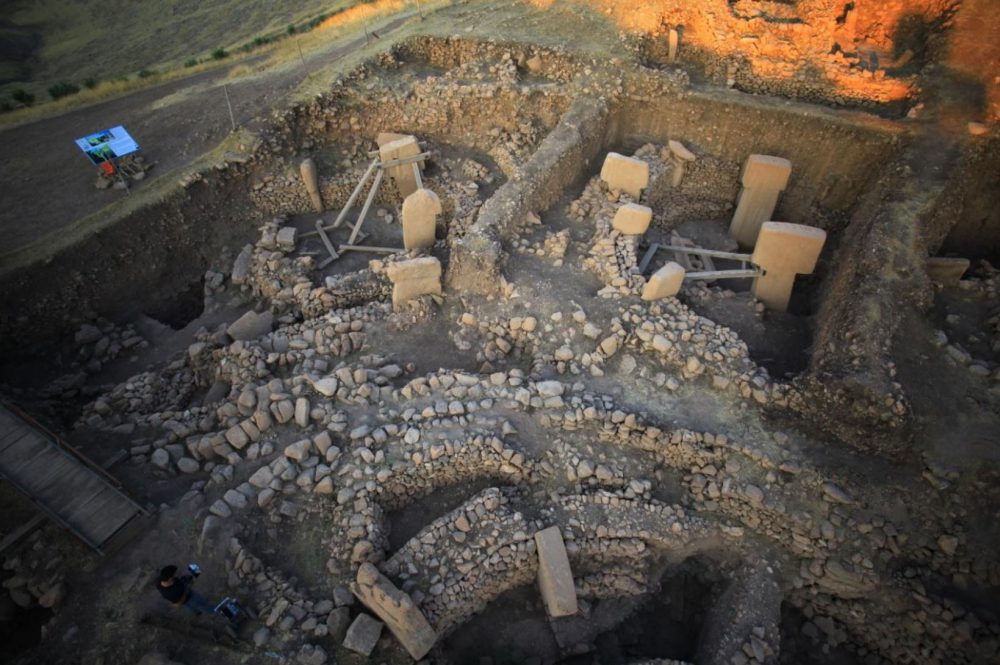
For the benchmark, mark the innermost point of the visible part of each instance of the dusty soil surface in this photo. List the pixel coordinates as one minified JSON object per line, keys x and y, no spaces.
{"x":173,"y":123}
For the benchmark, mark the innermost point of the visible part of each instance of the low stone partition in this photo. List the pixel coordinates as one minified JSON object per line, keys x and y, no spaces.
{"x":879,"y":273}
{"x":564,"y":155}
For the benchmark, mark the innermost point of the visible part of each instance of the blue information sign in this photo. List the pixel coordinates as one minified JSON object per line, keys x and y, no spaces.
{"x":108,"y":145}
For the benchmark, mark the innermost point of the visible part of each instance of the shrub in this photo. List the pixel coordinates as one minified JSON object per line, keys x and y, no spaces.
{"x":260,"y":41}
{"x":90,"y":83}
{"x":6,"y":106}
{"x":22,"y":96}
{"x":145,"y":73}
{"x":219,"y":53}
{"x":291,"y":28}
{"x":62,"y":89}
{"x":191,"y":63}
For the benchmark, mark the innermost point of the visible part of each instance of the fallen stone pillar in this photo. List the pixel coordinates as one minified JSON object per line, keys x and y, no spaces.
{"x":632,"y":219}
{"x":420,"y":213}
{"x":251,"y":326}
{"x":664,"y":283}
{"x":783,"y":251}
{"x":311,"y":180}
{"x":396,"y":609}
{"x":764,"y":178}
{"x":627,"y":174}
{"x":402,"y":174}
{"x":414,"y":278}
{"x":555,"y":577}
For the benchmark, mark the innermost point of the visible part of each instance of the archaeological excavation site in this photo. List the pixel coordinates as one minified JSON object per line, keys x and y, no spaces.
{"x":670,"y":336}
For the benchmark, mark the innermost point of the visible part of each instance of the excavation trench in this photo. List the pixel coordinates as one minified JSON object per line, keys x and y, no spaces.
{"x":401,"y":391}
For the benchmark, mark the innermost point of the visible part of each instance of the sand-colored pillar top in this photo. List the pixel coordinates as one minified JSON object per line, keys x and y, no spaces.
{"x":783,"y":251}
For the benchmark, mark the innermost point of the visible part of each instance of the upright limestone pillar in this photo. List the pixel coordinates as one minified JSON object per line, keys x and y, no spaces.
{"x":783,"y":251}
{"x":764,"y":178}
{"x":402,"y":175}
{"x":311,"y":180}
{"x":420,"y":213}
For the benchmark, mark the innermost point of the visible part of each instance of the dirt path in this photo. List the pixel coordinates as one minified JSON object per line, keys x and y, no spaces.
{"x":49,"y":184}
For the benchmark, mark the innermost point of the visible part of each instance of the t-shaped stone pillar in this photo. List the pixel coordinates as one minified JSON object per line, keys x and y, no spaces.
{"x":783,"y":251}
{"x":311,"y":180}
{"x":764,"y":178}
{"x":420,"y":212}
{"x":678,"y":156}
{"x":402,"y":174}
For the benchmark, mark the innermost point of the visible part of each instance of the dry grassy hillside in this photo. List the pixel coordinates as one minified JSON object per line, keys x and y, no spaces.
{"x":46,"y":41}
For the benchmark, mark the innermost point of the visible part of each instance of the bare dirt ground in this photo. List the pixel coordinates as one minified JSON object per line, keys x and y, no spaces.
{"x":49,"y":183}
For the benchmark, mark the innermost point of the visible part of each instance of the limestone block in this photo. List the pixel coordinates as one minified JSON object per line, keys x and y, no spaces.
{"x":396,"y":609}
{"x":311,"y":180}
{"x":287,"y":237}
{"x":632,"y":219}
{"x":420,"y":212}
{"x":363,"y":635}
{"x":664,"y":283}
{"x":783,"y":251}
{"x":388,"y":137}
{"x":555,"y":577}
{"x":946,"y":270}
{"x":401,"y":271}
{"x":764,"y":178}
{"x":251,"y":326}
{"x":628,"y":174}
{"x":402,"y":175}
{"x":411,"y":289}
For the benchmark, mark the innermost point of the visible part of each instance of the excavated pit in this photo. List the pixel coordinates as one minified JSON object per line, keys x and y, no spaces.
{"x":710,"y":511}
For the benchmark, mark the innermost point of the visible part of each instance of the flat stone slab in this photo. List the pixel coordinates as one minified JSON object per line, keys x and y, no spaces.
{"x":627,"y":174}
{"x":632,"y":219}
{"x":251,"y":326}
{"x":363,"y":635}
{"x":287,"y":237}
{"x":664,"y":283}
{"x":396,"y":609}
{"x":555,"y":577}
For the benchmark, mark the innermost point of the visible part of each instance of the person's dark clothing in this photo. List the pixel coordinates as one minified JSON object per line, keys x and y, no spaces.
{"x":176,"y":591}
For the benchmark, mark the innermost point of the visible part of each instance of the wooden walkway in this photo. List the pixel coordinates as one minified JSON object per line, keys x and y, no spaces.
{"x":61,"y":482}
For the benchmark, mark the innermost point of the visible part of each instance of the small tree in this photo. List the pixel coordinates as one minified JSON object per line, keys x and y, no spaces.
{"x":90,"y":83}
{"x":191,"y":63}
{"x":62,"y":89}
{"x":219,"y":53}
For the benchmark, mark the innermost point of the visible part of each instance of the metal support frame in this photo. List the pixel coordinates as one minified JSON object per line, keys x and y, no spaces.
{"x":378,"y":167}
{"x":705,"y":275}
